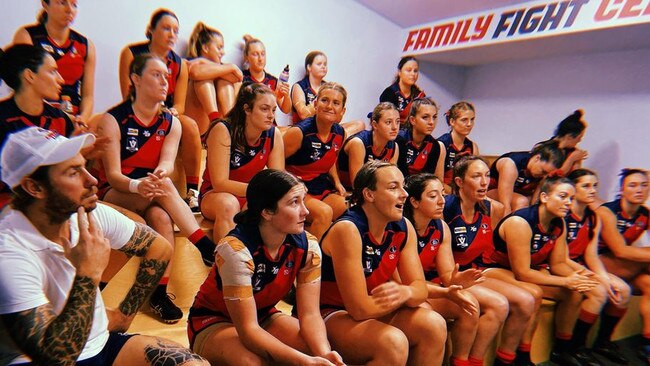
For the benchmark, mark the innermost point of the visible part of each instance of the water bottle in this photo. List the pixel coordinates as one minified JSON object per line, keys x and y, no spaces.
{"x":66,"y":104}
{"x":284,"y":76}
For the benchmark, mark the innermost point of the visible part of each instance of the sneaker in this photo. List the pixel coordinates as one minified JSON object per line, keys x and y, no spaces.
{"x":192,"y":200}
{"x":166,"y":310}
{"x":579,"y":357}
{"x":610,"y":350}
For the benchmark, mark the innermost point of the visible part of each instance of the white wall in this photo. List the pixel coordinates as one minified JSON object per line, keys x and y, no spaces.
{"x":520,"y":103}
{"x":362,"y":47}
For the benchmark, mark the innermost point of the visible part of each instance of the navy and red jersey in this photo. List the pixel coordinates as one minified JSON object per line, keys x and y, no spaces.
{"x":379,"y":258}
{"x":140,"y":143}
{"x":454,"y":153}
{"x":470,"y":239}
{"x":541,"y":242}
{"x":525,"y":184}
{"x":310,"y":96}
{"x":630,"y":227}
{"x":13,"y":119}
{"x":70,"y":58}
{"x":394,"y":95}
{"x":269,"y":80}
{"x":244,"y":164}
{"x":579,"y":233}
{"x":174,"y":64}
{"x":428,"y":246}
{"x":270,"y":279}
{"x":413,"y":159}
{"x":313,"y":160}
{"x":343,"y":162}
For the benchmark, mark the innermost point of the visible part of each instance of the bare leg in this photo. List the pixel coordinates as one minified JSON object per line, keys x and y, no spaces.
{"x":320,"y":215}
{"x":494,"y":310}
{"x":190,"y":147}
{"x":220,"y":207}
{"x":426,"y":331}
{"x":463,"y":330}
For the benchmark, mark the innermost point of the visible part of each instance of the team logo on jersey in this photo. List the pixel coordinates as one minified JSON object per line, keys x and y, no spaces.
{"x":315,"y":155}
{"x":452,"y":154}
{"x":573,"y":225}
{"x":368,"y":267}
{"x":289,"y":264}
{"x":460,"y":230}
{"x":47,"y":47}
{"x":316,"y":145}
{"x":261,"y":267}
{"x":251,"y":153}
{"x":473,"y":228}
{"x":392,"y":249}
{"x":461,"y":241}
{"x":132,"y":144}
{"x":521,"y":180}
{"x":73,"y":52}
{"x":132,"y":132}
{"x":275,"y":269}
{"x":484,"y":226}
{"x":236,"y":160}
{"x":537,"y":236}
{"x":160,"y":132}
{"x":146,"y":133}
{"x":370,"y":250}
{"x":434,"y":242}
{"x":335,"y":146}
{"x":258,"y":284}
{"x":422,"y":243}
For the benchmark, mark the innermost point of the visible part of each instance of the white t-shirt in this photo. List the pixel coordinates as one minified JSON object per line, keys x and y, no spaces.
{"x":34,"y":271}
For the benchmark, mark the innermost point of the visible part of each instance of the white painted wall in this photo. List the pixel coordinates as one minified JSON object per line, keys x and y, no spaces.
{"x":362,"y":47}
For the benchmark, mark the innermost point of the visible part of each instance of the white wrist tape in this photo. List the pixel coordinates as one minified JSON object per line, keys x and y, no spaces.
{"x":133,"y":185}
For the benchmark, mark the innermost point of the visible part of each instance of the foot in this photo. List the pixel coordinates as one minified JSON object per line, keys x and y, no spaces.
{"x":192,"y":200}
{"x":644,"y":354}
{"x":165,"y":309}
{"x":610,"y":350}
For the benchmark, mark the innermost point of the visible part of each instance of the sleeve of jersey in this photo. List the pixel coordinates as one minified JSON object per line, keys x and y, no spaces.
{"x":117,"y":228}
{"x":236,"y":267}
{"x":311,"y":271}
{"x":21,"y":282}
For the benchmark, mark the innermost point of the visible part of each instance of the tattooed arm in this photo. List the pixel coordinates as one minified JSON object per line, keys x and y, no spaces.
{"x":155,"y":252}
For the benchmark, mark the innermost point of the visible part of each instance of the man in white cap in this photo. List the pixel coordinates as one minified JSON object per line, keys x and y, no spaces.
{"x":54,"y":245}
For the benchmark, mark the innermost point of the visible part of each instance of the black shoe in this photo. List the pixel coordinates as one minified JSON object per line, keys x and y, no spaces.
{"x":192,"y":200}
{"x":610,"y":350}
{"x":585,"y":357}
{"x":564,"y":359}
{"x":579,"y":357}
{"x":644,"y":354}
{"x":163,"y":306}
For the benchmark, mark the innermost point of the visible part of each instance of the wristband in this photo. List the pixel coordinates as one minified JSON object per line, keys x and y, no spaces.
{"x":133,"y":185}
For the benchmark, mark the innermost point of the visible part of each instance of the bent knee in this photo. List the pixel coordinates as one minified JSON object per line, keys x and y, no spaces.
{"x":392,"y":346}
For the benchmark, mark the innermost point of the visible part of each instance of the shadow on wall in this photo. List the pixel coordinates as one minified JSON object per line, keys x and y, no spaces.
{"x":448,"y":78}
{"x":605,"y":161}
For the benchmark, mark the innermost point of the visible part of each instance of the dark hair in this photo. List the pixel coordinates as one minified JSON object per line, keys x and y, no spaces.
{"x":155,"y":18}
{"x":201,"y":35}
{"x":576,"y":174}
{"x":415,"y":90}
{"x":21,"y":200}
{"x":414,"y":186}
{"x":264,"y":191}
{"x":549,"y":151}
{"x":415,"y":107}
{"x":366,"y":178}
{"x":42,"y":15}
{"x":137,"y":66}
{"x":248,"y":41}
{"x":573,"y":125}
{"x":551,"y":181}
{"x":454,"y":110}
{"x":460,"y":170}
{"x":626,"y":172}
{"x":15,"y":59}
{"x":333,"y":86}
{"x":380,"y":109}
{"x":309,"y":59}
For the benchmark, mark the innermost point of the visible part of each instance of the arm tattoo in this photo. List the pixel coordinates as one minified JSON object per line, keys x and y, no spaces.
{"x":56,"y":340}
{"x":164,"y":353}
{"x":148,"y":276}
{"x":140,"y":241}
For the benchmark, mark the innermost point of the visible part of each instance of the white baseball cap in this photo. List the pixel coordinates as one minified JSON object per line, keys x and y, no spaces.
{"x":28,"y":149}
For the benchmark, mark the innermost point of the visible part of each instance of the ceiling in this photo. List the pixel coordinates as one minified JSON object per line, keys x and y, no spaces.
{"x":408,"y":13}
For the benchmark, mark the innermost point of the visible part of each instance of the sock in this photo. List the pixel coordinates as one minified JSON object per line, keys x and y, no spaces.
{"x":473,"y":361}
{"x":580,"y":330}
{"x":102,"y":285}
{"x":505,"y":356}
{"x":161,"y":289}
{"x":453,"y":361}
{"x":214,"y":115}
{"x":203,"y":243}
{"x":192,"y":183}
{"x":562,"y":342}
{"x":523,"y":353}
{"x":608,"y":320}
{"x":645,"y":339}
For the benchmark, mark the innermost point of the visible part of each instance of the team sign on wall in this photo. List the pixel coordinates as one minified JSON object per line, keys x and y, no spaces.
{"x":530,"y":20}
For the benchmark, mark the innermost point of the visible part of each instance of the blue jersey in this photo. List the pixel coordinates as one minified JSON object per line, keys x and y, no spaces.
{"x":310,"y":95}
{"x":343,"y":162}
{"x":379,"y":259}
{"x":413,"y":159}
{"x":525,"y":184}
{"x":454,"y":153}
{"x":269,"y":80}
{"x":394,"y":95}
{"x":471,"y":238}
{"x":630,"y":228}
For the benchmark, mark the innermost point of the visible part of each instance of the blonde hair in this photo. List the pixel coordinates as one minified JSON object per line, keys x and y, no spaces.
{"x":201,"y":35}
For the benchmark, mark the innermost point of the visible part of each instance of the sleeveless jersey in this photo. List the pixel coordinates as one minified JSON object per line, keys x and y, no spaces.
{"x":174,"y":64}
{"x":454,"y":153}
{"x":310,"y":96}
{"x":140,"y":145}
{"x":313,"y":160}
{"x":413,"y":159}
{"x":630,"y":227}
{"x":394,"y":95}
{"x":379,"y":259}
{"x":525,"y":184}
{"x":541,"y":242}
{"x":13,"y":119}
{"x":269,"y":80}
{"x":245,"y":269}
{"x":70,"y":59}
{"x":428,"y":246}
{"x":470,"y":240}
{"x":243,"y":164}
{"x":343,"y":162}
{"x":579,"y":233}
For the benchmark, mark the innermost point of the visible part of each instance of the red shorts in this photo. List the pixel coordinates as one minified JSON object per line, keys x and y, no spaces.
{"x":196,"y":324}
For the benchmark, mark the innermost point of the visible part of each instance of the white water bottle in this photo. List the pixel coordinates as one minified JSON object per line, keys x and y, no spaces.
{"x":284,"y":76}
